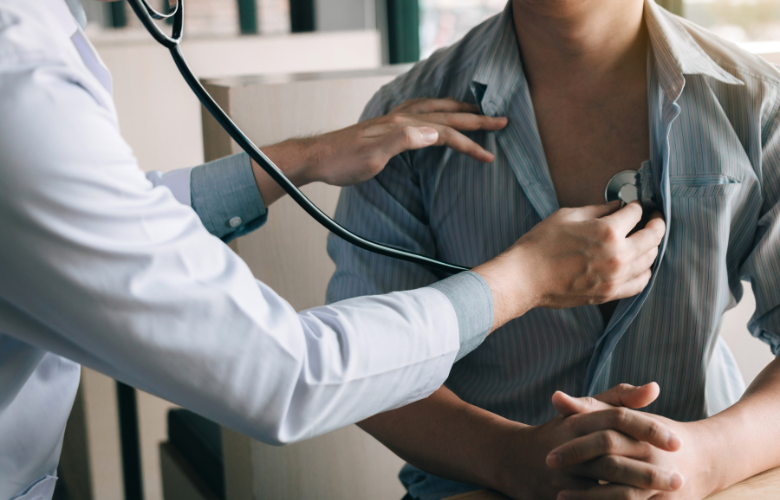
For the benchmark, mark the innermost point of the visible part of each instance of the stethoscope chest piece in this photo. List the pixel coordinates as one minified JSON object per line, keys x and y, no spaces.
{"x":622,"y":186}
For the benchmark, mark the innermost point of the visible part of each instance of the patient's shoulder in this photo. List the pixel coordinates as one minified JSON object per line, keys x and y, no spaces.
{"x":446,"y":73}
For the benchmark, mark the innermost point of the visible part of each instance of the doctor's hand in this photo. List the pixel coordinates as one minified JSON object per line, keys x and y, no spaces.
{"x":633,"y":468}
{"x":357,"y":153}
{"x":525,"y":470}
{"x":574,"y":257}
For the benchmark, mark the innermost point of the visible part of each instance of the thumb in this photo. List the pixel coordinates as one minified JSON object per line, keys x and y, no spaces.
{"x":630,"y":396}
{"x":595,"y":211}
{"x":625,"y":395}
{"x":568,"y":405}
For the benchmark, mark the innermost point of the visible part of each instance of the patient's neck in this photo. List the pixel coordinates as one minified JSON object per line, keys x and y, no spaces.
{"x":579,"y":46}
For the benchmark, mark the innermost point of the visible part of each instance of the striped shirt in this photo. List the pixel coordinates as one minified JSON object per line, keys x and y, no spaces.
{"x":714,"y":170}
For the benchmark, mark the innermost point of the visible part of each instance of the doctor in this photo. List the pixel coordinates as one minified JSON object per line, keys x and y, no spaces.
{"x":128,"y":273}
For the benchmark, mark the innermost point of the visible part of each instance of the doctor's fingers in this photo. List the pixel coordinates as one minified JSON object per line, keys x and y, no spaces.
{"x":431,"y":105}
{"x":624,"y":220}
{"x":418,"y":135}
{"x":641,"y":263}
{"x":461,"y":121}
{"x":458,"y":142}
{"x":647,"y":238}
{"x":632,"y":287}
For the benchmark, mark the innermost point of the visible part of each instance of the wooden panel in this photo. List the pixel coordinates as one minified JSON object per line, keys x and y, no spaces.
{"x":289,"y":254}
{"x":764,"y":486}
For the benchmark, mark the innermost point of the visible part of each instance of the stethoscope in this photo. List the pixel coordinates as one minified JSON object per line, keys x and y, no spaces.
{"x":148,"y":15}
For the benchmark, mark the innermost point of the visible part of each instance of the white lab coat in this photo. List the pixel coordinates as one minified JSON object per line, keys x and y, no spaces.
{"x":99,"y":267}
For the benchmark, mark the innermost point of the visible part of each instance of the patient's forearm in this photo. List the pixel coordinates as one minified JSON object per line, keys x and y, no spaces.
{"x":747,"y":434}
{"x":445,"y":436}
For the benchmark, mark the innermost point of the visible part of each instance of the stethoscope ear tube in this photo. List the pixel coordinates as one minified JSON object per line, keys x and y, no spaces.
{"x":147,"y":15}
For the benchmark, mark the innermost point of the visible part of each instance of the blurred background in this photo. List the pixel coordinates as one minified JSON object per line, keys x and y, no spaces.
{"x":115,"y":432}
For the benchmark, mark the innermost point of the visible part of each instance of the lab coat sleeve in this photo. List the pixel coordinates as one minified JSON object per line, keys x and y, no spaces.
{"x":762,"y":267}
{"x":222,"y":192}
{"x":99,"y":266}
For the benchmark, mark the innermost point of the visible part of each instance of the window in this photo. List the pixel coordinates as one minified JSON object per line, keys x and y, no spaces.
{"x":444,"y":22}
{"x":755,"y":23}
{"x":740,"y":21}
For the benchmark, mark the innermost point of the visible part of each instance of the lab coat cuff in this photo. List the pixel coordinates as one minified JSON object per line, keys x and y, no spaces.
{"x":472,"y":300}
{"x":224,"y":194}
{"x":177,"y":181}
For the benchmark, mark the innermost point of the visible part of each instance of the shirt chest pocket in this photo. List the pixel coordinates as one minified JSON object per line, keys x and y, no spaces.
{"x":702,"y":212}
{"x":702,"y":186}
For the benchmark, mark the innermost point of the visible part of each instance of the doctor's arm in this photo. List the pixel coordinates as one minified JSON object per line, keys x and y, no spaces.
{"x":231,"y":195}
{"x":102,"y":268}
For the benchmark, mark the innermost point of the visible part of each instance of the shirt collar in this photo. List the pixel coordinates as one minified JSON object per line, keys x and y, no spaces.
{"x":500,"y":69}
{"x":677,"y":53}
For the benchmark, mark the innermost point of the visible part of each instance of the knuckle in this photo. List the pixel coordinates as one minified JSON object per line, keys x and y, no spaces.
{"x":630,"y":494}
{"x":609,"y":235}
{"x":611,"y":467}
{"x":608,"y":441}
{"x":619,"y":417}
{"x":653,"y":430}
{"x":651,"y":477}
{"x":409,"y":134}
{"x":608,"y":289}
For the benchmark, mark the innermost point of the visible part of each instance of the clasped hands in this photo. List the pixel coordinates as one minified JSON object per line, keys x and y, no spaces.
{"x":601,"y":448}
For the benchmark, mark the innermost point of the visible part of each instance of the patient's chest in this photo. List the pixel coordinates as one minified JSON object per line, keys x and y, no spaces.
{"x":476,"y":211}
{"x":585,"y":144}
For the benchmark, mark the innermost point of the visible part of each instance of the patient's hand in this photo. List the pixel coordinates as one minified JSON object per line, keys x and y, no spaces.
{"x":634,"y":469}
{"x":528,"y":475}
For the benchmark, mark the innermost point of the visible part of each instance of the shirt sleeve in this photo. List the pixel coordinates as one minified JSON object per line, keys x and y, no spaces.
{"x":103,"y":268}
{"x":389,"y":208}
{"x":762,"y":267}
{"x":223,"y":193}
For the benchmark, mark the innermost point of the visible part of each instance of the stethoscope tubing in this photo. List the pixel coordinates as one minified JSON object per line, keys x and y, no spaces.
{"x":147,"y":15}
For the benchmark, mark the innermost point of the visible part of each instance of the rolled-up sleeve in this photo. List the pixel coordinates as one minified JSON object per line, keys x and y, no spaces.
{"x":222,"y":192}
{"x":762,"y":267}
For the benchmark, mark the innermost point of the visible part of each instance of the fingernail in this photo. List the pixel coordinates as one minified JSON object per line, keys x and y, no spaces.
{"x":429,"y":134}
{"x":554,"y":459}
{"x":676,"y":481}
{"x":673,"y":441}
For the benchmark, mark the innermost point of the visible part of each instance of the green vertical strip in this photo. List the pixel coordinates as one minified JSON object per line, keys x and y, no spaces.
{"x":117,"y":15}
{"x":403,"y":31}
{"x":247,"y":16}
{"x":673,"y":6}
{"x":302,"y":16}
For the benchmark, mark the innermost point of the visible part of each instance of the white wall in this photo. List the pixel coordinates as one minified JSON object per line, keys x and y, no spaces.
{"x":160,"y":118}
{"x":161,"y":121}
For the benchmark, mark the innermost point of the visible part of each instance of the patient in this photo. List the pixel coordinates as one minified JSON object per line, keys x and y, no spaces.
{"x":591,"y":88}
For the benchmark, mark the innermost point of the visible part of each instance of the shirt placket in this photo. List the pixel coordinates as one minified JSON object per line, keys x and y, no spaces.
{"x":598,"y":372}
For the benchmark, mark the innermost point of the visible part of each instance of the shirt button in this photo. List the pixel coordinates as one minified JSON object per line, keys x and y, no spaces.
{"x":235,"y":222}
